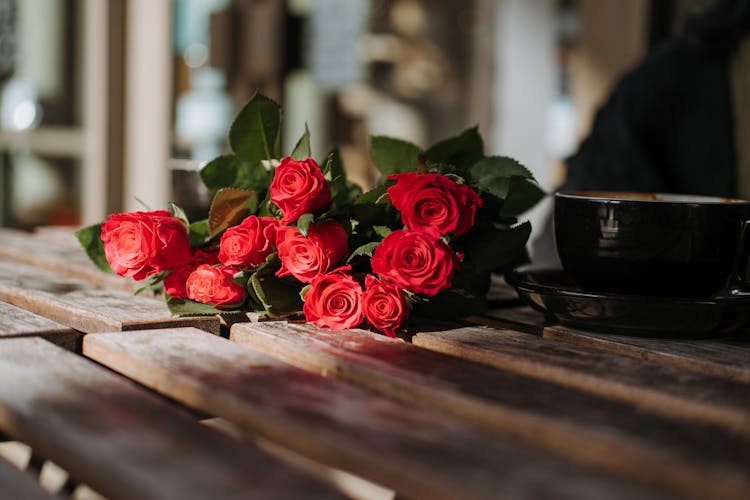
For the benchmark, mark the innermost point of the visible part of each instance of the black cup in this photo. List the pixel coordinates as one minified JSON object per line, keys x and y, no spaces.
{"x":654,"y":244}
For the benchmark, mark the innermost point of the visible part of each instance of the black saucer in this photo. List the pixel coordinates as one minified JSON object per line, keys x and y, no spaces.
{"x":561,"y":300}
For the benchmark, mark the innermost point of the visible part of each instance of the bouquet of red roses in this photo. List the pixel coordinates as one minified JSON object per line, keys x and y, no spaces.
{"x":287,"y":236}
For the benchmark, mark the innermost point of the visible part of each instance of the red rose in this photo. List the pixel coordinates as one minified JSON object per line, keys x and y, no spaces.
{"x":305,"y":258}
{"x":141,"y":244}
{"x":298,"y":187}
{"x":418,"y":261}
{"x":214,"y":285}
{"x":174,"y":284}
{"x":249,"y":243}
{"x":334,"y":300}
{"x":384,"y":305}
{"x":434,"y":201}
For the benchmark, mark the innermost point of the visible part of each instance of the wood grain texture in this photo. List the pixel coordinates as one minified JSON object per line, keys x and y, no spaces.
{"x":16,"y":484}
{"x":687,"y":458}
{"x":663,"y":389}
{"x":79,"y":305}
{"x":17,"y":322}
{"x":419,"y":454}
{"x":60,"y":255}
{"x":124,"y":441}
{"x":721,"y":358}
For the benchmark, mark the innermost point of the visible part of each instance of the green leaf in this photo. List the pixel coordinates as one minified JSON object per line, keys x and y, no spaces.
{"x":255,"y":134}
{"x":303,"y":223}
{"x":279,"y":297}
{"x":229,"y":171}
{"x":382,"y":231}
{"x":522,"y":195}
{"x":333,"y":168}
{"x":463,"y":151}
{"x":198,"y":233}
{"x":179,"y":213}
{"x":154,"y":283}
{"x":393,"y":156}
{"x":493,"y":174}
{"x":90,"y":239}
{"x":374,"y":195}
{"x":186,"y":307}
{"x":365,"y":250}
{"x":302,"y":149}
{"x":489,"y":249}
{"x":229,"y":207}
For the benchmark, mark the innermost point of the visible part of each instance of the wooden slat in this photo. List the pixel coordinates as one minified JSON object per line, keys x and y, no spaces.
{"x":124,"y":441}
{"x":522,"y":318}
{"x":15,"y":484}
{"x":17,"y":322}
{"x":663,"y":389}
{"x":721,"y":358}
{"x":687,"y":458}
{"x":59,"y":255}
{"x":77,"y":304}
{"x":419,"y":454}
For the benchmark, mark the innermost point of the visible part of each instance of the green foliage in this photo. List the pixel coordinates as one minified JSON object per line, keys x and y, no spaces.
{"x":491,"y":249}
{"x":229,"y":171}
{"x":365,"y":250}
{"x":522,"y":195}
{"x":229,"y":207}
{"x":302,"y":149}
{"x":493,"y":174}
{"x":255,"y":134}
{"x":462,"y":151}
{"x":278,"y":296}
{"x":198,"y":233}
{"x":303,"y":223}
{"x":179,"y":213}
{"x":90,"y":239}
{"x":187,"y":307}
{"x":393,"y":156}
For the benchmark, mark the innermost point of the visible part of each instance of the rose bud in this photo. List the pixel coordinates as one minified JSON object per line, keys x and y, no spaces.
{"x":418,"y":261}
{"x":174,"y":284}
{"x":248,"y":243}
{"x":384,"y":305}
{"x":434,"y":201}
{"x":298,"y":187}
{"x":324,"y":248}
{"x":214,"y":285}
{"x":334,"y":300}
{"x":141,"y":244}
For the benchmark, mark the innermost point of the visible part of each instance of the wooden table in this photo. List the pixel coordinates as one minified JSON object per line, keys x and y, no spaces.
{"x":133,"y":403}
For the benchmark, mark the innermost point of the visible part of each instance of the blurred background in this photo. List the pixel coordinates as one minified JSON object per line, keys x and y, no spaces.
{"x":104,"y":103}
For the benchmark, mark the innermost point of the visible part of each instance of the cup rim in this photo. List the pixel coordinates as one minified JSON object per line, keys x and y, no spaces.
{"x":649,"y":197}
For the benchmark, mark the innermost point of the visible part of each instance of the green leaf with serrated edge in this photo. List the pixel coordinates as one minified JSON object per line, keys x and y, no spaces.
{"x":365,"y":250}
{"x":229,"y":207}
{"x":493,"y":174}
{"x":255,"y":133}
{"x":303,"y":223}
{"x":489,"y":249}
{"x":463,"y":151}
{"x":186,"y":307}
{"x":280,"y":297}
{"x":90,"y":239}
{"x":522,"y":195}
{"x":179,"y":213}
{"x":382,"y":231}
{"x":198,"y":233}
{"x":221,"y":172}
{"x":302,"y":149}
{"x":393,"y":156}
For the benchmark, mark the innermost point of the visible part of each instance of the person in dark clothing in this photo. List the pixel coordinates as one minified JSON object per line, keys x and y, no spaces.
{"x":668,"y":126}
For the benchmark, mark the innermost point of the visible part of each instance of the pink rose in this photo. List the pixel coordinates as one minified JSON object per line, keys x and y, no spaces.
{"x":174,"y":284}
{"x":249,"y":243}
{"x":214,"y":285}
{"x":324,"y":248}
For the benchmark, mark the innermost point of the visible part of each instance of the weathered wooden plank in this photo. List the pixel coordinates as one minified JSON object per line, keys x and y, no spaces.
{"x":59,"y":255}
{"x":523,"y":319}
{"x":16,"y":484}
{"x":690,"y":459}
{"x":660,"y":388}
{"x":721,"y":358}
{"x":17,"y":322}
{"x":124,"y":441}
{"x":417,"y":453}
{"x":77,"y":304}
